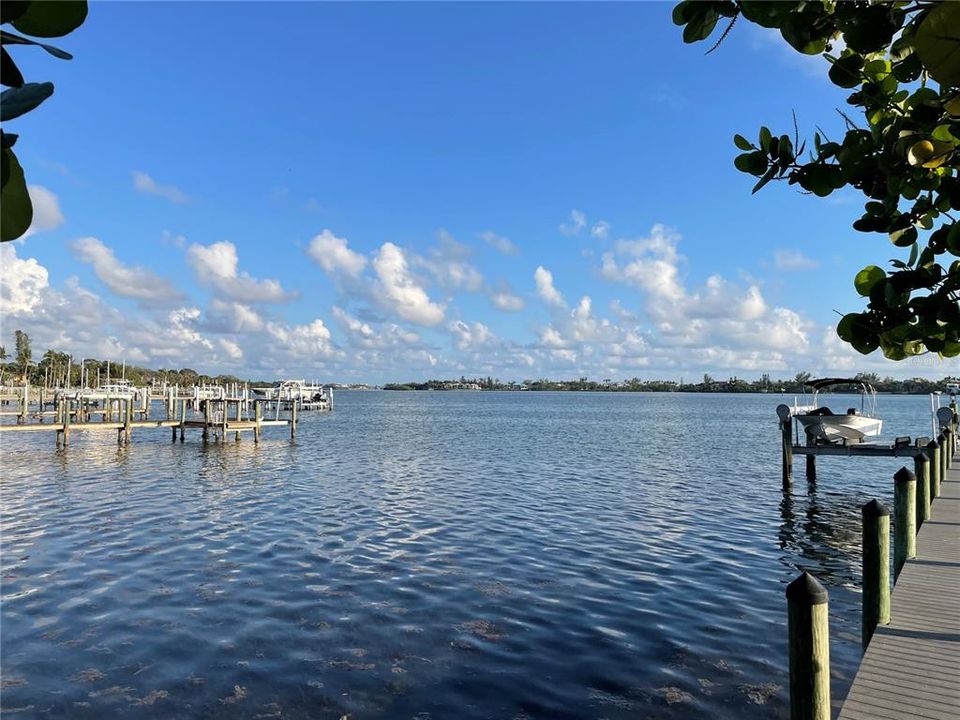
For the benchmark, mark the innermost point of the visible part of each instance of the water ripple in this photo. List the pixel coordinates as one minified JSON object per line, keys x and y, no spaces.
{"x":428,"y":555}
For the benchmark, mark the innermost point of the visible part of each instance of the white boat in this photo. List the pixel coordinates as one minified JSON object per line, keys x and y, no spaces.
{"x":307,"y":396}
{"x":852,"y":426}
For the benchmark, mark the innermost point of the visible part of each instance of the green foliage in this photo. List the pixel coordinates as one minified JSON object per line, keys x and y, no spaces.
{"x":24,"y":353}
{"x":43,"y":19}
{"x":14,"y":198}
{"x":49,"y":19}
{"x":19,"y":100}
{"x":902,"y":63}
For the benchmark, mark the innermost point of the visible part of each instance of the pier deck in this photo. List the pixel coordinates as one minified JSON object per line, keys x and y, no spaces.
{"x":912,"y":666}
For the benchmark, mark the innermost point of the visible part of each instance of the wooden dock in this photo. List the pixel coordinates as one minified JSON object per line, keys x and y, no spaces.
{"x":911,"y":668}
{"x":215,"y":418}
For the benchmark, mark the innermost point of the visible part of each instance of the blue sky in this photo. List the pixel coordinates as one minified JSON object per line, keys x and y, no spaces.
{"x":394,"y":191}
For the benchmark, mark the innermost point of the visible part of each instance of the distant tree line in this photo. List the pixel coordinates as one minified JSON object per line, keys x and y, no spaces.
{"x":765,"y":384}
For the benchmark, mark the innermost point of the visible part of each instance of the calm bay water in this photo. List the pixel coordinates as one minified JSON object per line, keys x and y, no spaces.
{"x":430,"y":555}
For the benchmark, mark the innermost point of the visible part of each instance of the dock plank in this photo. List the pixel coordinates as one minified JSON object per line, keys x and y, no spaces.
{"x":912,"y":667}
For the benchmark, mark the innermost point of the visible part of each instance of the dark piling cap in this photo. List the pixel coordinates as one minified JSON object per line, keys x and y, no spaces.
{"x":806,"y":590}
{"x":874,"y":508}
{"x":933,"y":444}
{"x":783,"y":412}
{"x":903,"y":475}
{"x":922,"y":458}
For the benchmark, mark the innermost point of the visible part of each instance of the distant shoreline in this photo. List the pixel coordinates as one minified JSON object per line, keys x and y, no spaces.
{"x":636,"y":392}
{"x":764,"y":385}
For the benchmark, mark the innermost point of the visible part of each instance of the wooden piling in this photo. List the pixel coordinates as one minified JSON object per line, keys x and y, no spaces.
{"x":293,"y":418}
{"x":953,"y":446}
{"x":944,"y":454}
{"x":257,"y":417}
{"x":206,"y":421}
{"x":66,"y":421}
{"x":183,"y":418}
{"x":933,"y":453}
{"x":811,"y":459}
{"x":58,"y":418}
{"x":921,"y":469}
{"x":809,"y":649}
{"x":904,"y":519}
{"x":876,"y":569}
{"x":786,"y":442}
{"x":127,"y":420}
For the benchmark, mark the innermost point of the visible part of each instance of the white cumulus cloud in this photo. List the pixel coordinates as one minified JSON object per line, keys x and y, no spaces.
{"x":449,"y":265}
{"x":22,"y":282}
{"x":399,"y":292}
{"x":125,"y":280}
{"x":216,"y":266}
{"x":545,"y":289}
{"x":233,"y":317}
{"x":333,"y":254}
{"x":362,"y":334}
{"x":506,"y":301}
{"x":651,"y":264}
{"x":46,"y":211}
{"x":303,"y":340}
{"x":471,"y":336}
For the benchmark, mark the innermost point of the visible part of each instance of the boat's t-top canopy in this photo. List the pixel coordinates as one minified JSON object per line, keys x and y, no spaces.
{"x":868,"y":393}
{"x":828,"y":382}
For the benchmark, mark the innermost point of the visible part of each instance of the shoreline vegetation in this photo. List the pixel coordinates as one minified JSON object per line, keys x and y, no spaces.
{"x":708,"y":384}
{"x":59,"y":369}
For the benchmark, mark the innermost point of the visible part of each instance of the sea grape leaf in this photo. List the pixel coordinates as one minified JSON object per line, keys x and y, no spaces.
{"x":19,"y":100}
{"x":52,"y":19}
{"x":16,"y":210}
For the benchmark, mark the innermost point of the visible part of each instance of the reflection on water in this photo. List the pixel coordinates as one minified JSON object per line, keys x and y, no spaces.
{"x":418,"y":555}
{"x":821,"y":533}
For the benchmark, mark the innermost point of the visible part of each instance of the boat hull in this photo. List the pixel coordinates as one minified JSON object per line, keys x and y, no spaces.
{"x":851,"y":428}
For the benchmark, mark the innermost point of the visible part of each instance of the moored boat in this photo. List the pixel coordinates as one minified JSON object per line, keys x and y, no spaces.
{"x":823,"y":424}
{"x":307,"y":396}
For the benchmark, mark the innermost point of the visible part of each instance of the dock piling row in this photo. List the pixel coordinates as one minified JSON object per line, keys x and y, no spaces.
{"x":809,"y":632}
{"x":876,"y":568}
{"x":904,"y":519}
{"x":215,"y":410}
{"x":807,"y":599}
